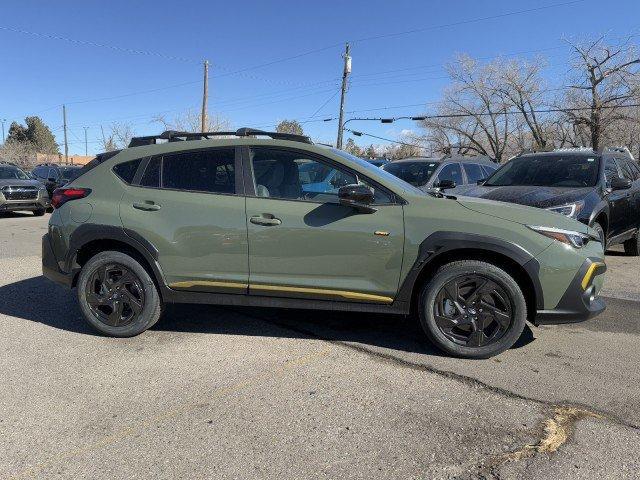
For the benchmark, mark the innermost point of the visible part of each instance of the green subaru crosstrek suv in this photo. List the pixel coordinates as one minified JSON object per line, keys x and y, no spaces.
{"x":236,"y":219}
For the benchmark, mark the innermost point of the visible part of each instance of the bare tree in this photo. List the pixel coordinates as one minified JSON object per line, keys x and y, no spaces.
{"x":22,"y":154}
{"x":190,"y":121}
{"x":117,"y":136}
{"x":473,"y":111}
{"x":523,"y":90}
{"x":605,"y":79}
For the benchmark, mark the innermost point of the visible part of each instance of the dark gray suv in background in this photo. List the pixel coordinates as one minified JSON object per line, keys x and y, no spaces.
{"x":20,"y":192}
{"x":443,"y":173}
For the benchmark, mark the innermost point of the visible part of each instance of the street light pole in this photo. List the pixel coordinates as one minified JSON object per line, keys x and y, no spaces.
{"x":3,"y":120}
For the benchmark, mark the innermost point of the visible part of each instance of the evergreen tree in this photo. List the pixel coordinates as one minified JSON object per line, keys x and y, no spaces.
{"x":17,"y":133}
{"x":290,"y":126}
{"x":40,"y":136}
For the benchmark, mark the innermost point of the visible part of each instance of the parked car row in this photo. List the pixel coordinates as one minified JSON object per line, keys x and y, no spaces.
{"x":599,"y":189}
{"x":32,"y":191}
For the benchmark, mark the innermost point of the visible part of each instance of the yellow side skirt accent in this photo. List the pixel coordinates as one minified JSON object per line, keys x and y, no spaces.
{"x":207,"y":283}
{"x":587,"y":276}
{"x":344,"y":294}
{"x":348,"y":295}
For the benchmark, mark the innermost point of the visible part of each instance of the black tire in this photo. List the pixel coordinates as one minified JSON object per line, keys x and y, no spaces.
{"x":494,"y":320}
{"x":39,"y":212}
{"x":117,"y":295}
{"x":600,"y":231}
{"x":632,"y":246}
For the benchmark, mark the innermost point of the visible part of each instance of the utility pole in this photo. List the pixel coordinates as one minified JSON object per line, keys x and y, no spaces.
{"x":85,"y":141}
{"x":64,"y":123}
{"x":205,"y":95}
{"x":3,"y":120}
{"x":345,"y":74}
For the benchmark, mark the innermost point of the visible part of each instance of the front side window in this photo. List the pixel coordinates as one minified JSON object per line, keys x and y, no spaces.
{"x":292,"y":175}
{"x":451,"y":171}
{"x":473,"y":171}
{"x":610,"y":170}
{"x":548,"y":171}
{"x":53,"y":173}
{"x":414,"y":173}
{"x":210,"y":171}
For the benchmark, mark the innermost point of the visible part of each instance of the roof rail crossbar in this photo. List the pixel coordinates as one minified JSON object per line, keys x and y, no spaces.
{"x":174,"y":136}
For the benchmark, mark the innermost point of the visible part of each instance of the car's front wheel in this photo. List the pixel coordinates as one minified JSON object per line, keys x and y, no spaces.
{"x":117,"y":295}
{"x":472,"y":309}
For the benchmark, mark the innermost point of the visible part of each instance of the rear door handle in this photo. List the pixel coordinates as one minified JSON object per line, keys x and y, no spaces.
{"x":266,"y":220}
{"x":147,"y":206}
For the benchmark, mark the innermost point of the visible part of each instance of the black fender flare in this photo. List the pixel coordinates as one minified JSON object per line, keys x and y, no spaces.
{"x":439,"y":243}
{"x":89,"y":232}
{"x":601,"y":207}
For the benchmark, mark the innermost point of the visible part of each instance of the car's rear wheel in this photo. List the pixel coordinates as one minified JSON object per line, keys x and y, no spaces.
{"x":117,"y":295}
{"x":632,"y":246}
{"x":472,"y":309}
{"x":39,"y":212}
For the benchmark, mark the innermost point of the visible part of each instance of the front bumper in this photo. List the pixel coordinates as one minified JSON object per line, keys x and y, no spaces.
{"x":580,"y":301}
{"x":50,"y":268}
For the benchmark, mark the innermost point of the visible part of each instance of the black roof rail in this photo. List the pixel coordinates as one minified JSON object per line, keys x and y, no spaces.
{"x":174,"y":136}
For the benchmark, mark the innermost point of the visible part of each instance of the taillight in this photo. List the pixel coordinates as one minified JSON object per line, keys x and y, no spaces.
{"x":63,"y":195}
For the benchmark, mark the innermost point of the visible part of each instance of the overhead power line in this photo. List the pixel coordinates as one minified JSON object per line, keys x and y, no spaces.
{"x":360,"y":134}
{"x":466,"y":22}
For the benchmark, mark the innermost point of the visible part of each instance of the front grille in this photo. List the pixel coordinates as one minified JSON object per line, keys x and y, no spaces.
{"x":20,"y":193}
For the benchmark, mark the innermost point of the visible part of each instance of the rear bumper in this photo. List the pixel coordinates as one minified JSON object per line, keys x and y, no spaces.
{"x":580,"y":301}
{"x":50,"y":268}
{"x":23,"y":205}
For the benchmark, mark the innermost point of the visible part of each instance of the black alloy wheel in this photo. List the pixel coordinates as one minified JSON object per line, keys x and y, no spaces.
{"x":473,"y":311}
{"x":115,"y":295}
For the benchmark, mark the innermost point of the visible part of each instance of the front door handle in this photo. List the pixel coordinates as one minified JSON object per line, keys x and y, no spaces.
{"x":266,"y":220}
{"x":147,"y":206}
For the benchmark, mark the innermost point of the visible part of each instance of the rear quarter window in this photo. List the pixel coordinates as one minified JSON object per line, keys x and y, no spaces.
{"x":127,"y":170}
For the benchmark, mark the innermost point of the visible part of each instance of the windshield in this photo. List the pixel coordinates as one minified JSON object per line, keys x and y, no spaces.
{"x":548,"y":171}
{"x":68,"y":173}
{"x":415,"y":173}
{"x":12,"y":173}
{"x":377,"y":172}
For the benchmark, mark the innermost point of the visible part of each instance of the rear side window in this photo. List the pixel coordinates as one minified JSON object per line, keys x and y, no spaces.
{"x":210,"y":171}
{"x":151,"y":176}
{"x":627,"y":170}
{"x":473,"y":171}
{"x":634,"y":167}
{"x":127,"y":170}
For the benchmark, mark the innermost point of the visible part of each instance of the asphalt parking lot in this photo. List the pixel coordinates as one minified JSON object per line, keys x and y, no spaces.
{"x":258,"y":393}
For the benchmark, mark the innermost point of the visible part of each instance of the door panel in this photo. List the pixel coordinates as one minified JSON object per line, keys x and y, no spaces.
{"x":201,"y":237}
{"x":619,"y":203}
{"x":303,"y":243}
{"x":325,"y":247}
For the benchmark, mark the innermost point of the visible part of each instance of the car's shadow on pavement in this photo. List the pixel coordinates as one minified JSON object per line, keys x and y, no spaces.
{"x":40,"y":300}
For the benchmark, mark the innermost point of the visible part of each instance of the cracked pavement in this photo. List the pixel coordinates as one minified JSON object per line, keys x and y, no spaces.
{"x":260,"y":393}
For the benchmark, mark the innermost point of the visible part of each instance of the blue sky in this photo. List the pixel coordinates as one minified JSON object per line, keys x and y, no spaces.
{"x":40,"y":72}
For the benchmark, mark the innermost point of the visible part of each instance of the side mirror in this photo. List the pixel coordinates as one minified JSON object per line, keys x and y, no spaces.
{"x":359,"y":197}
{"x":618,"y":183}
{"x":444,"y":184}
{"x":481,"y":181}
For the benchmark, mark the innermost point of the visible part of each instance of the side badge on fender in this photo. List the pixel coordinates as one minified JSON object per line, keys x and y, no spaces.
{"x":381,"y":233}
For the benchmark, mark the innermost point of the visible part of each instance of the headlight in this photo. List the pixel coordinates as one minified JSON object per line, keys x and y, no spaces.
{"x":570,"y":209}
{"x":569,"y":237}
